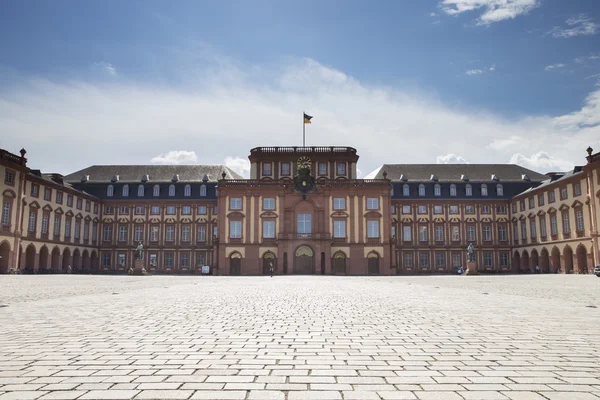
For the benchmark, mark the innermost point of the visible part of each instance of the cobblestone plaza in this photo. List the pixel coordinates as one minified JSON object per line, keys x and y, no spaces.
{"x":300,"y":337}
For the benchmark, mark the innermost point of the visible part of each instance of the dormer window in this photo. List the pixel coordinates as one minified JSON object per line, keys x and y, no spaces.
{"x":203,"y":191}
{"x":110,"y":190}
{"x":175,"y":178}
{"x":464,"y":178}
{"x":156,"y":191}
{"x":140,"y":190}
{"x":468,"y":190}
{"x":499,"y":190}
{"x":187,"y":191}
{"x":125,"y":191}
{"x":171,"y":190}
{"x":341,"y":168}
{"x":403,"y":178}
{"x":453,"y":190}
{"x":525,"y":178}
{"x":115,"y":178}
{"x":322,"y":168}
{"x":433,"y":178}
{"x":484,"y":189}
{"x":421,"y":190}
{"x":437,"y":190}
{"x":145,"y":178}
{"x":494,"y":177}
{"x":285,"y":169}
{"x":267,"y":169}
{"x":405,"y":190}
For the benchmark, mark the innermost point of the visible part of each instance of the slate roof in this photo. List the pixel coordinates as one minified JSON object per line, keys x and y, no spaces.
{"x":453,"y":172}
{"x":156,"y":173}
{"x":555,"y":177}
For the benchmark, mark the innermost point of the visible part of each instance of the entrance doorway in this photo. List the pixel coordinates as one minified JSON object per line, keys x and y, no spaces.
{"x":373,"y":263}
{"x":304,"y":260}
{"x":235,"y":264}
{"x":268,"y":262}
{"x":339,"y":263}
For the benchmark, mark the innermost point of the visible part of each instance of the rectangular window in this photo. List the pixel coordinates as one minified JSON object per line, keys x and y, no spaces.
{"x":566,"y":223}
{"x":501,"y":210}
{"x":372,"y":203}
{"x":439,"y":233}
{"x":121,"y":259}
{"x":57,"y":219}
{"x":139,"y":210}
{"x":516,"y":232}
{"x":186,"y":210}
{"x":87,"y":206}
{"x":304,"y":224}
{"x":123,"y":210}
{"x":523,"y":230}
{"x":269,"y":203}
{"x":533,"y":229}
{"x":543,"y":226}
{"x":200,"y":258}
{"x":202,"y":210}
{"x":541,"y":199}
{"x":6,"y":212}
{"x":514,"y":207}
{"x":235,"y":229}
{"x":322,"y":168}
{"x":341,"y":168}
{"x":154,"y":233}
{"x":438,"y":209}
{"x":422,"y":209}
{"x":201,"y":233}
{"x":139,"y":233}
{"x":108,"y":210}
{"x":235,"y":203}
{"x":185,"y":233}
{"x":372,"y":229}
{"x":455,"y":234}
{"x":169,"y":260}
{"x":407,"y":233}
{"x":440,"y":259}
{"x":106,"y":260}
{"x":577,"y":189}
{"x":79,"y":203}
{"x":9,"y":177}
{"x":423,"y":234}
{"x":77,"y":229}
{"x":86,"y":230}
{"x":551,"y":197}
{"x":45,"y":221}
{"x":96,"y":209}
{"x":531,"y":203}
{"x":579,"y":220}
{"x":269,"y":229}
{"x":393,"y":210}
{"x":155,"y":210}
{"x":70,"y":200}
{"x":215,"y":232}
{"x":406,"y":191}
{"x":185,"y":260}
{"x":502,"y":235}
{"x":471,"y":233}
{"x":424,"y":259}
{"x":504,"y":259}
{"x":407,"y":260}
{"x":285,"y":169}
{"x":122,"y":233}
{"x":170,"y":210}
{"x":153,"y":260}
{"x":59,"y":197}
{"x":405,"y":209}
{"x":522,"y":205}
{"x":453,"y":209}
{"x":487,"y":233}
{"x":469,"y":210}
{"x":456,"y":260}
{"x":553,"y":225}
{"x":339,"y":203}
{"x":267,"y":170}
{"x":487,"y":259}
{"x":170,"y":233}
{"x":94,"y":231}
{"x":339,"y":229}
{"x":67,"y":227}
{"x":35,"y":190}
{"x":393,"y":231}
{"x":485,"y":209}
{"x":563,"y":193}
{"x":47,"y":194}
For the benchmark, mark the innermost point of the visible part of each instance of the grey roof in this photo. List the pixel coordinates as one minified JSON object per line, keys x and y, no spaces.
{"x":556,"y":177}
{"x":156,"y":173}
{"x":453,"y":172}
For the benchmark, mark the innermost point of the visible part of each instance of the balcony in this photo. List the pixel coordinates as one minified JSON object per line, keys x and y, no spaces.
{"x":301,"y":150}
{"x":304,"y":236}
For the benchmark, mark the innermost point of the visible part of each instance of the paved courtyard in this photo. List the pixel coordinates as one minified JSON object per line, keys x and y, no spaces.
{"x":300,"y":337}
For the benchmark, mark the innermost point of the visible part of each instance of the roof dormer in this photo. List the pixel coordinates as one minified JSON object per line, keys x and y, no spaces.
{"x":464,"y":178}
{"x":175,"y":178}
{"x":115,"y":178}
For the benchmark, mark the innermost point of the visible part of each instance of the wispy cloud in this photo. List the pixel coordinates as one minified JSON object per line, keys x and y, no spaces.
{"x":586,"y":59}
{"x":493,"y":10}
{"x":541,"y":161}
{"x":451,"y":159}
{"x":577,"y":25}
{"x":107,"y":67}
{"x":475,"y":71}
{"x":220,"y":116}
{"x":553,"y":67}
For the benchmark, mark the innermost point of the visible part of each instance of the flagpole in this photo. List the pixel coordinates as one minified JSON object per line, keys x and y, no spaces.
{"x":303,"y":131}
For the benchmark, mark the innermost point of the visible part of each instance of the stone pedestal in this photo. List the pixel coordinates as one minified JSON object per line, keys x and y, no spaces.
{"x":471,"y":268}
{"x":138,"y":267}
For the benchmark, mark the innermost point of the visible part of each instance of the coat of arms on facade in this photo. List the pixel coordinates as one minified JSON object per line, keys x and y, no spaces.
{"x":304,"y":182}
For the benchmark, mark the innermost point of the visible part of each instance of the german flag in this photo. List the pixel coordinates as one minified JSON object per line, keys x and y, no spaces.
{"x":307,"y":118}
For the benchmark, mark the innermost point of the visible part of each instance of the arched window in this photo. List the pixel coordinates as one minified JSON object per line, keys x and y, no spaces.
{"x":203,"y":191}
{"x":468,"y":190}
{"x":125,"y":191}
{"x":437,"y":190}
{"x":453,"y":190}
{"x":483,"y":189}
{"x":499,"y":190}
{"x":406,"y":190}
{"x":421,"y":190}
{"x":156,"y":191}
{"x":140,"y":190}
{"x":110,"y":190}
{"x":187,"y":191}
{"x":171,"y":190}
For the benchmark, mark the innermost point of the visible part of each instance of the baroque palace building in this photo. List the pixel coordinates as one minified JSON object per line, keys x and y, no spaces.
{"x":303,"y":211}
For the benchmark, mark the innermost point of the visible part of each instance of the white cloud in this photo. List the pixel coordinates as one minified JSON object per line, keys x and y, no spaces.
{"x":541,"y":161}
{"x":493,"y":10}
{"x":107,"y":67}
{"x":222,"y":111}
{"x":433,"y":14}
{"x":239,"y":165}
{"x":585,"y":59}
{"x":474,"y":72}
{"x":553,"y":67}
{"x":176,"y":157}
{"x":451,"y":159}
{"x":578,"y":25}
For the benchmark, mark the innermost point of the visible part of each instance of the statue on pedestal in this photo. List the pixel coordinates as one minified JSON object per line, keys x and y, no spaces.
{"x":140,"y":255}
{"x":471,"y":252}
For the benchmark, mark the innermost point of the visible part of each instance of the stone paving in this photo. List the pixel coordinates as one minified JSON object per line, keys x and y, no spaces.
{"x":300,"y":337}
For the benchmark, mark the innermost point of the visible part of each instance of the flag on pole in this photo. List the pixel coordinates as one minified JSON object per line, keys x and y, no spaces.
{"x":307,"y":118}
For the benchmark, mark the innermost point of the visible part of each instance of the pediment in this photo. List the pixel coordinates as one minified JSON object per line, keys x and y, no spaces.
{"x":78,"y":216}
{"x":531,"y":215}
{"x":59,"y":211}
{"x":47,"y":207}
{"x":394,"y":220}
{"x":470,"y":219}
{"x":107,"y":220}
{"x":522,"y":217}
{"x":236,"y":214}
{"x":551,"y":210}
{"x":455,"y":219}
{"x":138,"y":220}
{"x":422,"y":219}
{"x":9,"y":193}
{"x":69,"y":213}
{"x":186,"y":220}
{"x":155,"y":220}
{"x":373,"y":214}
{"x":96,"y":219}
{"x":268,"y":214}
{"x":406,"y":219}
{"x":123,"y":220}
{"x":214,"y":221}
{"x":170,"y":220}
{"x":87,"y":218}
{"x":34,"y":204}
{"x":514,"y":219}
{"x":486,"y":219}
{"x":541,"y":213}
{"x":502,"y":219}
{"x":577,"y":203}
{"x":563,"y":207}
{"x":439,"y":219}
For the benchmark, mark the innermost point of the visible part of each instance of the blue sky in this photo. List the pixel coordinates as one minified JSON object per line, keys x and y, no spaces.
{"x":517,"y":74}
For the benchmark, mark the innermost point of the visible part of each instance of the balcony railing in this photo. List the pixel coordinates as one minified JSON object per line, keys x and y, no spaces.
{"x":13,"y":158}
{"x":304,"y":236}
{"x":302,"y":150}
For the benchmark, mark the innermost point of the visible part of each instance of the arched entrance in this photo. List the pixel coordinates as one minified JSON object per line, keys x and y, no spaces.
{"x":43,"y":265}
{"x":304,"y":260}
{"x":582,"y":267}
{"x":568,"y":259}
{"x":525,"y":262}
{"x":29,"y":259}
{"x":4,"y":257}
{"x":235,"y":264}
{"x":269,"y":260}
{"x":66,"y":261}
{"x":76,"y":261}
{"x":544,"y":261}
{"x":94,"y":261}
{"x":555,"y":260}
{"x":516,"y":264}
{"x":535,"y":260}
{"x":55,"y":263}
{"x":339,"y":263}
{"x":85,"y":262}
{"x":373,"y":263}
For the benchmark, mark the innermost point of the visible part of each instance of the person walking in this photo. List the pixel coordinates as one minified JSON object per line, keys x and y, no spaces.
{"x":271,"y":269}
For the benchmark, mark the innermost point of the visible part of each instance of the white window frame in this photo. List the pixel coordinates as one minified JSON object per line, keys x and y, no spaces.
{"x":499,"y":190}
{"x":407,"y":233}
{"x":171,"y":190}
{"x":453,"y":190}
{"x":235,"y":203}
{"x":140,"y":191}
{"x":373,"y":229}
{"x":468,"y":190}
{"x":579,"y":220}
{"x":156,"y":190}
{"x":405,"y":190}
{"x":339,"y":229}
{"x":110,"y":191}
{"x":202,"y":190}
{"x":373,"y":203}
{"x":187,"y":190}
{"x":339,"y":203}
{"x":268,"y":229}
{"x":304,"y":224}
{"x":406,"y":209}
{"x":235,"y":229}
{"x":437,"y":190}
{"x":484,"y":191}
{"x":421,"y":190}
{"x":268,"y":203}
{"x":125,"y":190}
